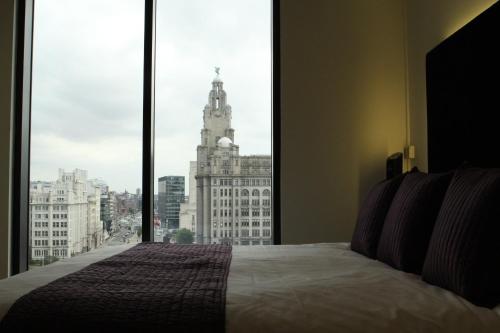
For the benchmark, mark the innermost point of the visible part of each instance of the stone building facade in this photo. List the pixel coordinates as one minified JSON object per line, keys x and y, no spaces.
{"x":233,"y":194}
{"x":65,"y":217}
{"x":187,"y":214}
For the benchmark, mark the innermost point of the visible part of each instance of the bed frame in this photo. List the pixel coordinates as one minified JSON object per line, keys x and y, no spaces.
{"x":463,"y":96}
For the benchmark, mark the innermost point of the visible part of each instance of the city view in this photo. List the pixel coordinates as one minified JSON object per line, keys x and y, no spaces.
{"x":212,"y":147}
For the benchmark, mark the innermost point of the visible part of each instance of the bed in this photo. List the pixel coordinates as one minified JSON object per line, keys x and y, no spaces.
{"x":329,"y":287}
{"x":309,"y":288}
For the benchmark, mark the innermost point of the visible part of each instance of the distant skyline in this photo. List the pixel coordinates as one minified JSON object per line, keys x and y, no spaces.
{"x":87,"y":83}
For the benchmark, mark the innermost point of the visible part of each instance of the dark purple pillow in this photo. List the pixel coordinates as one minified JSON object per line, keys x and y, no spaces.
{"x":464,"y":250}
{"x":410,"y":220}
{"x":372,"y":215}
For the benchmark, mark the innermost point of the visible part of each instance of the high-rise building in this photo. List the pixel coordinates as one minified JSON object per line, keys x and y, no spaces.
{"x":65,"y":216}
{"x":233,"y":192}
{"x":171,"y":193}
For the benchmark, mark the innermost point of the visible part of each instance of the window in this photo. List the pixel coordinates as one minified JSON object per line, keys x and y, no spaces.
{"x":75,"y":123}
{"x":99,"y":20}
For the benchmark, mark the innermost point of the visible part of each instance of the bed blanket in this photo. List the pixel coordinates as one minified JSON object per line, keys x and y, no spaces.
{"x":151,"y":287}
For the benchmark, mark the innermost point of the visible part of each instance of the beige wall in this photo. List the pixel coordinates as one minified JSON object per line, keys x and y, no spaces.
{"x":343,"y":110}
{"x":6,"y":37}
{"x":429,"y":23}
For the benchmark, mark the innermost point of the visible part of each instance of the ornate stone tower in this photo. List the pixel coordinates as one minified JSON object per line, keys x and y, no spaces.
{"x":216,"y":134}
{"x":222,"y":174}
{"x":216,"y":115}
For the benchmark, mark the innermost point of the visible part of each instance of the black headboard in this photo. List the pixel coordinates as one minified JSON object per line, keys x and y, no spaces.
{"x":463,"y":96}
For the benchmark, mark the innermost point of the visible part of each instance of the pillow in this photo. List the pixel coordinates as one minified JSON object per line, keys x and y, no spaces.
{"x":372,"y":215}
{"x":464,"y":250}
{"x":410,"y":220}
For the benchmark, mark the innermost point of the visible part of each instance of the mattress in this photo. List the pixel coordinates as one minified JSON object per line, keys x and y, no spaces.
{"x":309,"y":288}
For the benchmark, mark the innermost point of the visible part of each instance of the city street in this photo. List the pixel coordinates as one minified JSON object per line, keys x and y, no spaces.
{"x":125,"y":232}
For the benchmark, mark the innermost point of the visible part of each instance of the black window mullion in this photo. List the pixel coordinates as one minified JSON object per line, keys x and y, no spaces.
{"x":21,"y":135}
{"x":276,"y":121}
{"x":148,"y":121}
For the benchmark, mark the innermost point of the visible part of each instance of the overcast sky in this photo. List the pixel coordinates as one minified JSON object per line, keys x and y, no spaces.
{"x":87,"y":83}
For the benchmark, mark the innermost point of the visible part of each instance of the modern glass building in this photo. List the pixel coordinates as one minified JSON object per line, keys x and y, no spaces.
{"x":171,"y":193}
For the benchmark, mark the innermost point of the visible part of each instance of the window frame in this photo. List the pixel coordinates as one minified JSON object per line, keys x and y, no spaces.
{"x":21,"y":111}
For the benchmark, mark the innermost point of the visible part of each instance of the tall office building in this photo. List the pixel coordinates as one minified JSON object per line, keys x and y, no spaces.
{"x":65,"y":216}
{"x":171,"y":194}
{"x":233,"y":192}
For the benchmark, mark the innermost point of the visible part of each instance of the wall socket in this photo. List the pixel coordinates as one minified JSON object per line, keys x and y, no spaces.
{"x":409,"y":152}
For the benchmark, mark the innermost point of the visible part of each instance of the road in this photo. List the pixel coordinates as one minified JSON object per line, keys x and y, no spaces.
{"x":123,"y":234}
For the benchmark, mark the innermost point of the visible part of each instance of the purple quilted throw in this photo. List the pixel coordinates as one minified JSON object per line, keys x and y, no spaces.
{"x":152,"y":287}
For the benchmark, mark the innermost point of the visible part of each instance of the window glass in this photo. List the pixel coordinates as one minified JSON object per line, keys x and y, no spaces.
{"x":86,"y":127}
{"x":213,"y":115}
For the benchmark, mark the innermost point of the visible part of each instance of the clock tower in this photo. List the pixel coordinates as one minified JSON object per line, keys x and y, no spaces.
{"x":224,"y":181}
{"x":216,"y":115}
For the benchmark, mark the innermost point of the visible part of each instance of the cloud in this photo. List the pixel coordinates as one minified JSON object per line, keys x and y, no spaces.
{"x":87,"y":83}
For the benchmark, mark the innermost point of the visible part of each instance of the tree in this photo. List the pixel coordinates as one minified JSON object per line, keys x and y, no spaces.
{"x":184,"y":236}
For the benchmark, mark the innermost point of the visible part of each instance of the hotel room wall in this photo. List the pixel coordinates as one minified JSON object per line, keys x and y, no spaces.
{"x":6,"y":47}
{"x":429,"y":22}
{"x":343,"y":110}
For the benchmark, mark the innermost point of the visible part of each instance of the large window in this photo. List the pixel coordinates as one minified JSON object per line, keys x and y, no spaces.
{"x":84,"y":122}
{"x":213,"y":118}
{"x":86,"y":127}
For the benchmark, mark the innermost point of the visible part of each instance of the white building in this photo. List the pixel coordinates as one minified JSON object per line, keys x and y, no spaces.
{"x":233,"y":192}
{"x":187,"y":214}
{"x":65,"y":216}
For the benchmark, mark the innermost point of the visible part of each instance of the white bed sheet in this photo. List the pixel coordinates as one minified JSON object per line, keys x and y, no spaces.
{"x":329,"y":288}
{"x":309,"y":288}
